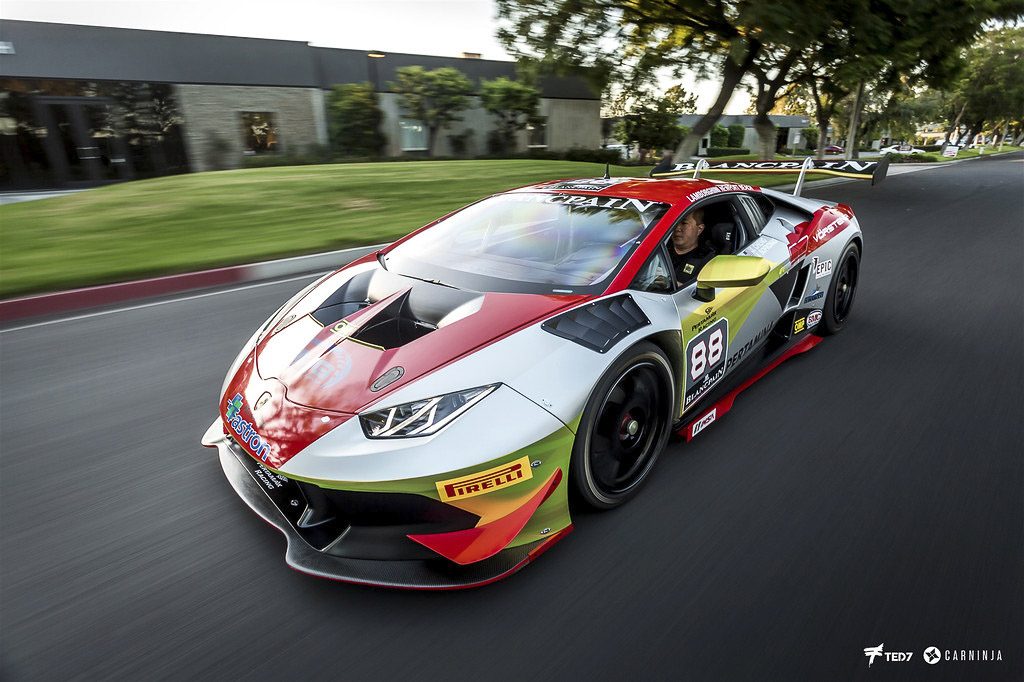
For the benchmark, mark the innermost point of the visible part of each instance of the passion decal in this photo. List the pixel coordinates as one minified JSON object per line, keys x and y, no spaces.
{"x":246,"y":432}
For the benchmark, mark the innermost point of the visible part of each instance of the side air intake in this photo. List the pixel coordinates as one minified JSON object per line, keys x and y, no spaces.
{"x":599,"y":325}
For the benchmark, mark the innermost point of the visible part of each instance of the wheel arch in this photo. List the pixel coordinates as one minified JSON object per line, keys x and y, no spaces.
{"x":671,"y":343}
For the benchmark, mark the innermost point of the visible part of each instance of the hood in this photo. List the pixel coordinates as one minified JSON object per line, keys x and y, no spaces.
{"x":356,"y":337}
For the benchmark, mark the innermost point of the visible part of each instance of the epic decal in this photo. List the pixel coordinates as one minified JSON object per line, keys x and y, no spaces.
{"x":482,"y":482}
{"x":246,"y":432}
{"x":821,"y":268}
{"x":706,"y":356}
{"x":813,"y":318}
{"x":703,"y":422}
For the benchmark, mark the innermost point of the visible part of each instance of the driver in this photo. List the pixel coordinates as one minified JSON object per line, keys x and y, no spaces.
{"x":688,"y":254}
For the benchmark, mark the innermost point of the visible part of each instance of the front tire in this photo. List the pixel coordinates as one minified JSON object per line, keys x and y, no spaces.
{"x":624,"y":428}
{"x":841,"y":292}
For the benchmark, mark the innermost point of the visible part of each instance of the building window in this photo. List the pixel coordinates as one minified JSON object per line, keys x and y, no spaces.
{"x":259,"y":129}
{"x":537,"y":134}
{"x":413,"y":135}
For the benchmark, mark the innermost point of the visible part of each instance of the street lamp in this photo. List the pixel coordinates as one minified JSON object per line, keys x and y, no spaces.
{"x":371,"y":67}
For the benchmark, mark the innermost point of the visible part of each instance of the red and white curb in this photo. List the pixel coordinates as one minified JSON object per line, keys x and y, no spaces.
{"x":106,"y":294}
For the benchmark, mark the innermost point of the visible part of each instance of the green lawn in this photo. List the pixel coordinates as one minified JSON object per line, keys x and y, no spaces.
{"x":202,"y":220}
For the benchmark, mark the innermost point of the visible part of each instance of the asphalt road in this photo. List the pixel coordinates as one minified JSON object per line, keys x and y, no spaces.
{"x":869,"y":492}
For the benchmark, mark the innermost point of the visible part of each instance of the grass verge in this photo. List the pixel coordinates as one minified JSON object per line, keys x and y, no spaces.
{"x":204,"y":220}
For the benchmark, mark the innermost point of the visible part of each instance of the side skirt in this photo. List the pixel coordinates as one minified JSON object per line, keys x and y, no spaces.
{"x":721,"y":402}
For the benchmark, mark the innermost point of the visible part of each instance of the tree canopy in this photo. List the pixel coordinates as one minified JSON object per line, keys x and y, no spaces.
{"x":434,"y":98}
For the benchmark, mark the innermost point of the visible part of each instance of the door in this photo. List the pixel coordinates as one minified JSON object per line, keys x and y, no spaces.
{"x":718,"y":334}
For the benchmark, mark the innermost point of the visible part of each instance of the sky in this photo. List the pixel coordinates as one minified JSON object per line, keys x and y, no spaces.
{"x":437,"y":27}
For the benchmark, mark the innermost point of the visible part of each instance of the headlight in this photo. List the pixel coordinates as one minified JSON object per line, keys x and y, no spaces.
{"x":422,"y":417}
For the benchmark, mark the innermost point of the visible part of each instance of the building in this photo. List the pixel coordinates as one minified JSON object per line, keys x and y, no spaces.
{"x":84,"y":105}
{"x":788,"y":130}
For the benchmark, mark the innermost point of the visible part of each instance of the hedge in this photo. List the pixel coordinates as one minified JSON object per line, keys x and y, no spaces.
{"x":726,"y":151}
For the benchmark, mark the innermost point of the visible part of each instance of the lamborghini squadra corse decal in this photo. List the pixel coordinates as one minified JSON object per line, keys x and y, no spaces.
{"x":706,"y":356}
{"x":246,"y":432}
{"x":717,"y":189}
{"x":487,"y":481}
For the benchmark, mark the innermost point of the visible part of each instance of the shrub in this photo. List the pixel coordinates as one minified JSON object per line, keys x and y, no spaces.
{"x":593,"y":155}
{"x":735,"y":135}
{"x":726,"y":151}
{"x":931,"y":147}
{"x":719,"y":136}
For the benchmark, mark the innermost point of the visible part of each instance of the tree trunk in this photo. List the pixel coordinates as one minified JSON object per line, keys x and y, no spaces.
{"x":822,"y":139}
{"x":851,"y":143}
{"x":765,"y":136}
{"x":431,"y":139}
{"x":732,"y":74}
{"x":956,"y":124}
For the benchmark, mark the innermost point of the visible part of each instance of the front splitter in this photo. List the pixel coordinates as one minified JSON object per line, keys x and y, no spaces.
{"x":439,"y":574}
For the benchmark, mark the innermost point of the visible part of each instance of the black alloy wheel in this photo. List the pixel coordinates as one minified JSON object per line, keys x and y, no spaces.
{"x":624,"y":428}
{"x":841,"y":292}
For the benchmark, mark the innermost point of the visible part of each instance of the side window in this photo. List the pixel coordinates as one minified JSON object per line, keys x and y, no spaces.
{"x":759,"y":210}
{"x":655,"y":275}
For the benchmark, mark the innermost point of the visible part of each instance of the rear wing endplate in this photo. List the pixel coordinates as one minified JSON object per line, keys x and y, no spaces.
{"x":860,"y":170}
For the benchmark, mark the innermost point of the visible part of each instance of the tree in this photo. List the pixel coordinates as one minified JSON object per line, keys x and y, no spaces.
{"x":719,"y":136}
{"x":625,"y":40}
{"x":434,"y":98}
{"x":513,"y":104}
{"x":354,"y":118}
{"x":991,"y":91}
{"x":736,"y":132}
{"x":651,"y":126}
{"x":651,"y":121}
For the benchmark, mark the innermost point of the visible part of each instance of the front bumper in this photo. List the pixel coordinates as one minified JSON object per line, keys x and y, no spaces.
{"x":381,"y":554}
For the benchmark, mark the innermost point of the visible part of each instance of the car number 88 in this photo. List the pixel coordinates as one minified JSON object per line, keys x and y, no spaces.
{"x":707,"y":355}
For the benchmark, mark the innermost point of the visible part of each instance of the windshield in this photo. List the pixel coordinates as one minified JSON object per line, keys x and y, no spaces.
{"x":529,"y":242}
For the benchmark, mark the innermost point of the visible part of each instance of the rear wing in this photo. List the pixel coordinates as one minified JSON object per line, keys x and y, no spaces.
{"x":861,"y":170}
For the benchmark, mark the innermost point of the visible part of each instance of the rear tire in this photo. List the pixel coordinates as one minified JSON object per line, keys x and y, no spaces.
{"x":625,"y":426}
{"x":841,"y":293}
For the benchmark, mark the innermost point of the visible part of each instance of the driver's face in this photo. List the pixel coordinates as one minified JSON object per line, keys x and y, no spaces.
{"x":686,"y":233}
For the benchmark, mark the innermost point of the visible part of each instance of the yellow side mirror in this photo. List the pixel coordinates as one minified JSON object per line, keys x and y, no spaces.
{"x":730,"y":271}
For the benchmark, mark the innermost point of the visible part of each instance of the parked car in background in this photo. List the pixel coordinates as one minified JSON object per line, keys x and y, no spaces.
{"x":834,"y":149}
{"x":900,"y":149}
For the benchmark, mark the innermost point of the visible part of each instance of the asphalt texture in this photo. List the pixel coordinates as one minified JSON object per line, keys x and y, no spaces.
{"x":868,"y":492}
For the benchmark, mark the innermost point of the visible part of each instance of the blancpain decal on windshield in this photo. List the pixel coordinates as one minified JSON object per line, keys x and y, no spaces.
{"x":579,"y":200}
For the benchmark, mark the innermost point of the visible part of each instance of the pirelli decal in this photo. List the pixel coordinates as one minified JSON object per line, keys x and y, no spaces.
{"x":488,"y":481}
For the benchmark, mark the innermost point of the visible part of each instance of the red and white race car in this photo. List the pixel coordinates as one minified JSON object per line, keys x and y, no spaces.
{"x":422,"y":417}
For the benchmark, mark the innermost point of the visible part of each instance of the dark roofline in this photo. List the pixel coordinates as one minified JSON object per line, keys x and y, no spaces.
{"x":50,"y":50}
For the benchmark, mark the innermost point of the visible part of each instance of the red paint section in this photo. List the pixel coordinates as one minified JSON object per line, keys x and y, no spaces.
{"x":88,"y":297}
{"x":285,"y":428}
{"x":826,"y":224}
{"x":335,"y":375}
{"x":725,"y":404}
{"x":476,"y":544}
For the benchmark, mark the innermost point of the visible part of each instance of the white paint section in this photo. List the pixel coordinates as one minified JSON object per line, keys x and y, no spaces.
{"x":498,"y":425}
